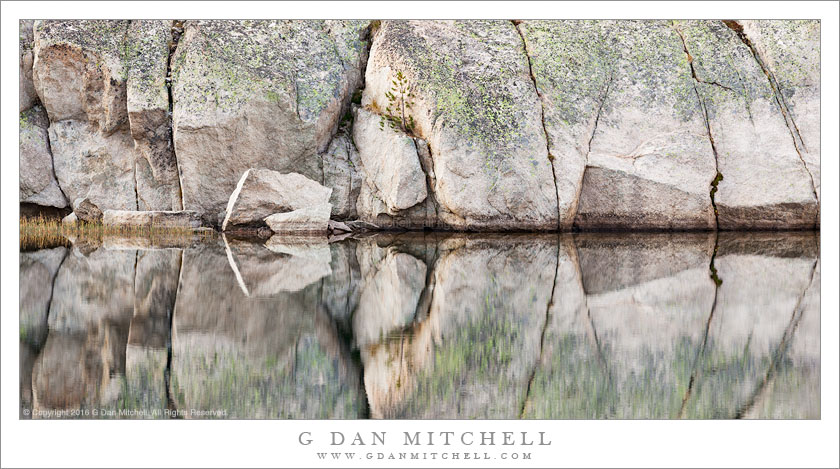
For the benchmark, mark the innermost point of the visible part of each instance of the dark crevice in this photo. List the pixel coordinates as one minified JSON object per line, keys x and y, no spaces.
{"x":427,"y":166}
{"x":705,"y":111}
{"x":781,"y":351}
{"x":546,"y":323}
{"x":176,"y":30}
{"x":701,"y":353}
{"x":784,"y":108}
{"x":52,"y":157}
{"x":542,"y":120}
{"x":602,"y":99}
{"x":167,"y":373}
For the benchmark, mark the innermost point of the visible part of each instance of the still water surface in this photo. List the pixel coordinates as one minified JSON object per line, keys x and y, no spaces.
{"x":439,"y":326}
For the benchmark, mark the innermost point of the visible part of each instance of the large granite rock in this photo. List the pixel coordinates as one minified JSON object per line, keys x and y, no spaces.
{"x":258,"y":94}
{"x":311,"y":220}
{"x":26,"y":89}
{"x":342,"y":174}
{"x":790,"y":52}
{"x":677,"y":125}
{"x":149,"y":115}
{"x":766,"y":183}
{"x":86,"y":210}
{"x":390,"y":164}
{"x":37,"y":177}
{"x":570,"y":65}
{"x":263,"y":192}
{"x":82,"y":71}
{"x":482,"y":122}
{"x":92,"y":165}
{"x":650,"y":162}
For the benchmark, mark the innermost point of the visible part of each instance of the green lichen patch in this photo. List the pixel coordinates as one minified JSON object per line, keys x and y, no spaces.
{"x":473,"y":72}
{"x":147,"y":55}
{"x":571,"y":66}
{"x":224,"y":64}
{"x":103,"y":41}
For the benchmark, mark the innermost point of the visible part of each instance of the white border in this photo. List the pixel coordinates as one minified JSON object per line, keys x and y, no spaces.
{"x":274,"y":443}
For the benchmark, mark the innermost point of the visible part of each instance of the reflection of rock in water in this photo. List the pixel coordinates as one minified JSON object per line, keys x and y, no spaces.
{"x":277,"y":267}
{"x":109,"y":329}
{"x":761,"y":308}
{"x":446,"y":326}
{"x":648,"y":315}
{"x":646,"y":341}
{"x":90,"y":312}
{"x":393,"y":282}
{"x":155,"y":289}
{"x":275,"y":357}
{"x":473,"y":355}
{"x":37,"y":273}
{"x":613,"y":261}
{"x":340,"y":291}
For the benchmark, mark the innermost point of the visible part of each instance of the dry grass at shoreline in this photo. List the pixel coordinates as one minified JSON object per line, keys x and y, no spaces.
{"x":41,"y":232}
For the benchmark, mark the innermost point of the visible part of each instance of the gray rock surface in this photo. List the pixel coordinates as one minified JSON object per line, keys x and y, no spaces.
{"x":37,"y":177}
{"x":312,"y":220}
{"x":149,"y":116}
{"x":390,"y":164}
{"x":766,"y":183}
{"x":258,"y":94}
{"x":26,"y":42}
{"x":183,"y":219}
{"x":263,"y":192}
{"x":790,"y":51}
{"x":342,"y":174}
{"x":464,"y":125}
{"x":650,"y":162}
{"x":101,"y":83}
{"x":482,"y":122}
{"x":86,"y":210}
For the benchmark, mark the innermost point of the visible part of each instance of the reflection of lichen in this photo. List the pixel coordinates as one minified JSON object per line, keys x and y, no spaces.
{"x":577,"y":383}
{"x":475,"y":355}
{"x":270,"y":387}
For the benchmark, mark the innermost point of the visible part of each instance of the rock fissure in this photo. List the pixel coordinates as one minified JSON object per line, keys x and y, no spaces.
{"x":167,"y":373}
{"x":52,"y":169}
{"x":787,"y":115}
{"x":701,"y":353}
{"x":702,"y":103}
{"x":781,"y":350}
{"x":175,"y":36}
{"x":542,"y":117}
{"x":428,"y":169}
{"x":546,"y":323}
{"x":602,"y":100}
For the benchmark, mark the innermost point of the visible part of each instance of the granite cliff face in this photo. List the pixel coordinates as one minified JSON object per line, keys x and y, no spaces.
{"x":458,"y":125}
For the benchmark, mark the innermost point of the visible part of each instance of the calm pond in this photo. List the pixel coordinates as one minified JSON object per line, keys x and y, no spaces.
{"x":413,"y":325}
